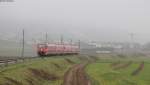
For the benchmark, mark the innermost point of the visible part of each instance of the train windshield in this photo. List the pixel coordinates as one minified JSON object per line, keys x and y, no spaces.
{"x":42,"y":45}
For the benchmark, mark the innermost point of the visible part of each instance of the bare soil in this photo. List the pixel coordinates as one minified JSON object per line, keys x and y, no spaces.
{"x":139,"y":69}
{"x":76,"y":75}
{"x":121,"y":66}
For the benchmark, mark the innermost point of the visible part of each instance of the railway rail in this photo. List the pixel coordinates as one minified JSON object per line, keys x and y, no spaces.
{"x":6,"y":60}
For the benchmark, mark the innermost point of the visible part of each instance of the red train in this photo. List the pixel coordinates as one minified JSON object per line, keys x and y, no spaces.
{"x":57,"y":49}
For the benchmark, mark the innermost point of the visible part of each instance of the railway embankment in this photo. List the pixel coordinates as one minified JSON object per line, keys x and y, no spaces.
{"x":37,"y":71}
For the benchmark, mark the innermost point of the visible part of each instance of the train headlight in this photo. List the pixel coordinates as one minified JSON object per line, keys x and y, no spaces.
{"x":41,"y":49}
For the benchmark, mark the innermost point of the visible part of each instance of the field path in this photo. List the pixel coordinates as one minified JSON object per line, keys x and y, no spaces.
{"x":76,"y":75}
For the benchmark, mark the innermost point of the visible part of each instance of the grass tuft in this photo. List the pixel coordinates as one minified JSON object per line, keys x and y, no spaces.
{"x":10,"y":81}
{"x":56,"y":65}
{"x":69,"y":61}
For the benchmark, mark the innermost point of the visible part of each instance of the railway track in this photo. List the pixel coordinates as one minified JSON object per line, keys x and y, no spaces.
{"x":76,"y":76}
{"x":6,"y":60}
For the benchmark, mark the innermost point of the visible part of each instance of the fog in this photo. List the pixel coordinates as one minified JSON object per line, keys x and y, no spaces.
{"x":97,"y":20}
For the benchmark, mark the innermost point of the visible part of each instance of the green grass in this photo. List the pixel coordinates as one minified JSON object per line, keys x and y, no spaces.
{"x":20,"y":71}
{"x":100,"y":72}
{"x":103,"y":74}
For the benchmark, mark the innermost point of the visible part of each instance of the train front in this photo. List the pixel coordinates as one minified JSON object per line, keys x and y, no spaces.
{"x":42,"y":49}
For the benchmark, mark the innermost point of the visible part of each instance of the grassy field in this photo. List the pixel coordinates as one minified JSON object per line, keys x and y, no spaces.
{"x":107,"y":70}
{"x":120,"y":71}
{"x":47,"y":71}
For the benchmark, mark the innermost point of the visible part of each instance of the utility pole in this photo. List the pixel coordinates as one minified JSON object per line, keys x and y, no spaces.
{"x":46,"y":38}
{"x":71,"y":41}
{"x":132,"y":40}
{"x":61,"y":39}
{"x":79,"y":42}
{"x":22,"y":54}
{"x":71,"y":44}
{"x":133,"y":46}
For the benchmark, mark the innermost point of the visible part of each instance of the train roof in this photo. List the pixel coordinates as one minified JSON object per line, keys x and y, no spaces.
{"x":53,"y":44}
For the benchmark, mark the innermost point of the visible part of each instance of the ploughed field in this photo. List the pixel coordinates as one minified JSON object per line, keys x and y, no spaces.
{"x":126,"y":71}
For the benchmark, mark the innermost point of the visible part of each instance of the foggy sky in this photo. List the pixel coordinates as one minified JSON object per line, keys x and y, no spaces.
{"x":98,"y":20}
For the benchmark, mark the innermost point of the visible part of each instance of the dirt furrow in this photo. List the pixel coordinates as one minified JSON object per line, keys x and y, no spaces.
{"x":76,"y":76}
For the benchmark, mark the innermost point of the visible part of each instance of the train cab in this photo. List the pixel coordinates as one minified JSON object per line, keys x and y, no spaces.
{"x":42,"y":49}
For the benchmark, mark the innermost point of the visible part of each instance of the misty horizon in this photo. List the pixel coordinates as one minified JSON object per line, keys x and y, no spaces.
{"x":87,"y":20}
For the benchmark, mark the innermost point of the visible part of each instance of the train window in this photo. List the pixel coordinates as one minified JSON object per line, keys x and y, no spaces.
{"x":41,"y":45}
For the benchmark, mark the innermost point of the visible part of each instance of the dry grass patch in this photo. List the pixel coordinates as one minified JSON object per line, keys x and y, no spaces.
{"x":42,"y":74}
{"x":121,"y":66}
{"x":139,"y":69}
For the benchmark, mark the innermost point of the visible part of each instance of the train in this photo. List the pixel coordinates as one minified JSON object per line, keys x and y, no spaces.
{"x":46,"y":49}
